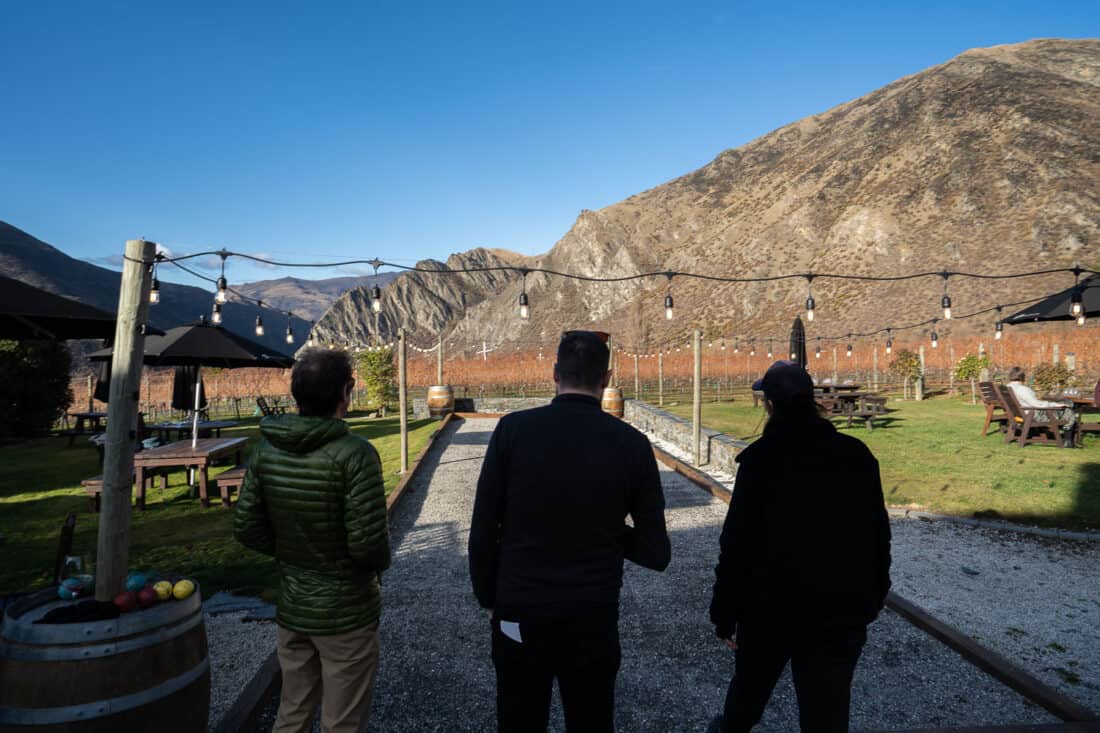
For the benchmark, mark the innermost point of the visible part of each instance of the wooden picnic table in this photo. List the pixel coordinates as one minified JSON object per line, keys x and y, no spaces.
{"x":95,"y":418}
{"x":837,"y":388}
{"x":858,"y":406}
{"x":183,"y":428}
{"x":1081,"y":405}
{"x":180,"y":453}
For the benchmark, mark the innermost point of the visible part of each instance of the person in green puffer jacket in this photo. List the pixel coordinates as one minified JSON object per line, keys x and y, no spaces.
{"x":314,"y":498}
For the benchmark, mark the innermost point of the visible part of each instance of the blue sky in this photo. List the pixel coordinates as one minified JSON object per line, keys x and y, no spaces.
{"x":411,"y":130}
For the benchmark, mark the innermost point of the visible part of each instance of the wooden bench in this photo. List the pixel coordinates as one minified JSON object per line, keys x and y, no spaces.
{"x":993,"y":402}
{"x":230,"y":481}
{"x":94,"y":487}
{"x":1024,"y":425}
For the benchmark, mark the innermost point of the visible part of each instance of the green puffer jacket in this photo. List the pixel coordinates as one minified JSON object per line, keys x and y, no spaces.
{"x":313,"y":497}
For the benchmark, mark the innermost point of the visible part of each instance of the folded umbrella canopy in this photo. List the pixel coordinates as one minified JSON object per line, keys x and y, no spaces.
{"x":1057,"y":306}
{"x":183,"y":389}
{"x":201,"y":344}
{"x":798,"y":342}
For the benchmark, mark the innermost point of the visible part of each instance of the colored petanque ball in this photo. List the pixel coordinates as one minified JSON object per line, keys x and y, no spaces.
{"x":163,"y":590}
{"x":147,"y":597}
{"x":126,"y":601}
{"x":136,"y":581}
{"x":183,"y":589}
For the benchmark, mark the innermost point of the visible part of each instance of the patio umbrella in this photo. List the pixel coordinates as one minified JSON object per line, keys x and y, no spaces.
{"x":201,"y":344}
{"x":798,"y":342}
{"x":27,"y":312}
{"x":1057,"y":306}
{"x":183,"y":389}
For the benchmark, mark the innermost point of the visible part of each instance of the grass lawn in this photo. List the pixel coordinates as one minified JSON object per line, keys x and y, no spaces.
{"x":932,"y":457}
{"x":40,"y":485}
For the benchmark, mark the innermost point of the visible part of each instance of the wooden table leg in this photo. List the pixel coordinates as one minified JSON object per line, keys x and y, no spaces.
{"x":139,"y":481}
{"x":203,"y":499}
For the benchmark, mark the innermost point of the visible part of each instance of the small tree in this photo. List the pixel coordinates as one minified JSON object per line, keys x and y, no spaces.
{"x":34,"y":386}
{"x":1051,"y":378}
{"x":379,"y":375}
{"x":970,"y":367}
{"x":906,"y":365}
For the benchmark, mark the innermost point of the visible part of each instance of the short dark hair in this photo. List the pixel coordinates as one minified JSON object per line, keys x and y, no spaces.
{"x":318,"y":381}
{"x":582,"y":360}
{"x":1016,"y":374}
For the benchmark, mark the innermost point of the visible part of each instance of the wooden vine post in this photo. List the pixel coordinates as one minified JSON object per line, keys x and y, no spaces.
{"x":113,"y":545}
{"x":403,"y":398}
{"x":439,"y":361}
{"x":661,"y":378}
{"x":697,"y":397}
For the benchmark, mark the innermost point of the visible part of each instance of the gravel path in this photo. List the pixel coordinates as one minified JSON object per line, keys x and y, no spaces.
{"x":237,"y":648}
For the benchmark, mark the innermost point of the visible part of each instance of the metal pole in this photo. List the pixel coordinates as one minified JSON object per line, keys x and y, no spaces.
{"x":113,"y":543}
{"x":637,"y":394}
{"x":402,"y":399}
{"x":697,"y":397}
{"x":439,"y":361}
{"x":660,"y":379}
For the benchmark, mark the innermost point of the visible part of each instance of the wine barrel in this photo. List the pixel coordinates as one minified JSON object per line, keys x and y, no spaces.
{"x":441,"y":401}
{"x":613,"y":401}
{"x":147,"y":670}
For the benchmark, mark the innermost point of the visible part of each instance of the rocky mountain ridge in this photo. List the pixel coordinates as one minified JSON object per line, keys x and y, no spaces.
{"x":988,"y":163}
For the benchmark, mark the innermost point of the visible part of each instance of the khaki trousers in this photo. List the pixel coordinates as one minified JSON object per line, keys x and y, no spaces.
{"x":336,"y":671}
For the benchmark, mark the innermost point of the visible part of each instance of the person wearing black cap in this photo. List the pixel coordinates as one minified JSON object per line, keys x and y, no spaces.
{"x":548,"y":539}
{"x":804,"y":560}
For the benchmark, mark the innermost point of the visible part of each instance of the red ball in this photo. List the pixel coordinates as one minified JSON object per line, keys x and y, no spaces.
{"x":126,"y":601}
{"x":147,"y":597}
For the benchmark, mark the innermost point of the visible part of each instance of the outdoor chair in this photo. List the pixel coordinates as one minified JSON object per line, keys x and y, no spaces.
{"x":993,"y":402}
{"x":267,"y":409}
{"x":1024,"y":424}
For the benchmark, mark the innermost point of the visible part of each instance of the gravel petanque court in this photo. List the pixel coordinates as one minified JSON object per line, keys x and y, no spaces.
{"x":436,"y":674}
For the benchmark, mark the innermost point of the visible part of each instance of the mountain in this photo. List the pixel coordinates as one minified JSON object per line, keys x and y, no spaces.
{"x":33,"y":261}
{"x":308,"y":298}
{"x":988,"y":163}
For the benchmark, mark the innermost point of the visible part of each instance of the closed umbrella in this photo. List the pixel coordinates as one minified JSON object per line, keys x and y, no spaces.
{"x":798,"y":342}
{"x":202,"y":344}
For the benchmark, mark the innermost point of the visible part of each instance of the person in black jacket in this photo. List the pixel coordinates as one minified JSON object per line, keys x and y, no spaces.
{"x":548,"y":539}
{"x":804,"y":564}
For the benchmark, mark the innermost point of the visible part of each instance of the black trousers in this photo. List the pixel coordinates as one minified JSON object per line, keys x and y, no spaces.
{"x":822,"y":664}
{"x":583,"y":657}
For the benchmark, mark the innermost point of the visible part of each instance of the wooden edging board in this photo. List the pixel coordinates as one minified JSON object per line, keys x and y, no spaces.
{"x":245,"y":713}
{"x":1085,"y":727}
{"x":985,"y":659}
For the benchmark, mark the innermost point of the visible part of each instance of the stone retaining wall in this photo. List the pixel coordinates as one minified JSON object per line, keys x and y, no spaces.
{"x":483,"y":404}
{"x":717,"y":450}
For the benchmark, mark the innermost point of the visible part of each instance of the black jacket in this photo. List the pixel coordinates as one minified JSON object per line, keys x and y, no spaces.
{"x":549,"y":531}
{"x":806,"y":542}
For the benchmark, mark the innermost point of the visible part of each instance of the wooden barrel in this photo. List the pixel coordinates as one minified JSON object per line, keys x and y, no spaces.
{"x":613,"y":401}
{"x":441,"y":401}
{"x":147,"y":670}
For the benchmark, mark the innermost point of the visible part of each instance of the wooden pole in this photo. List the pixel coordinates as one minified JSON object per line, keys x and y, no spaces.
{"x":402,"y":399}
{"x":697,"y":397}
{"x":113,"y":544}
{"x":91,"y":390}
{"x":874,"y":368}
{"x":614,"y":373}
{"x":660,"y":379}
{"x":439,"y":361}
{"x":918,"y":394}
{"x":637,"y":394}
{"x":834,"y":366}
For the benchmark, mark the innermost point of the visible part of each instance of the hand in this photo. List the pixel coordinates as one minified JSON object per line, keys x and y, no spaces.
{"x":490,"y":612}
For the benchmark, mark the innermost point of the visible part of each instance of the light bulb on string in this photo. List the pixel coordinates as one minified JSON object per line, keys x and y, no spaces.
{"x":259,"y":319}
{"x":524,"y":308}
{"x":289,"y":330}
{"x":769,"y":349}
{"x":752,"y":350}
{"x":889,"y":344}
{"x":668,"y":298}
{"x":223,"y":285}
{"x":376,"y":299}
{"x":848,"y":353}
{"x":1076,"y":305}
{"x":817,"y":352}
{"x":216,"y":316}
{"x":935,"y":336}
{"x":809,"y":298}
{"x":998,"y":331}
{"x":154,"y":289}
{"x":309,"y":336}
{"x":1081,"y":319}
{"x":945,"y":301}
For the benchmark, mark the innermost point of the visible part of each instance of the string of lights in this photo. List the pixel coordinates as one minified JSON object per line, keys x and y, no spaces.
{"x":221,"y":295}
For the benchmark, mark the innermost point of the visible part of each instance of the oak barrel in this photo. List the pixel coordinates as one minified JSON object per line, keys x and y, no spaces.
{"x":147,"y":670}
{"x":613,"y":401}
{"x":441,"y":401}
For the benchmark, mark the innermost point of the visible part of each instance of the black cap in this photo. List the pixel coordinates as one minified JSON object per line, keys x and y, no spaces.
{"x":785,"y":381}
